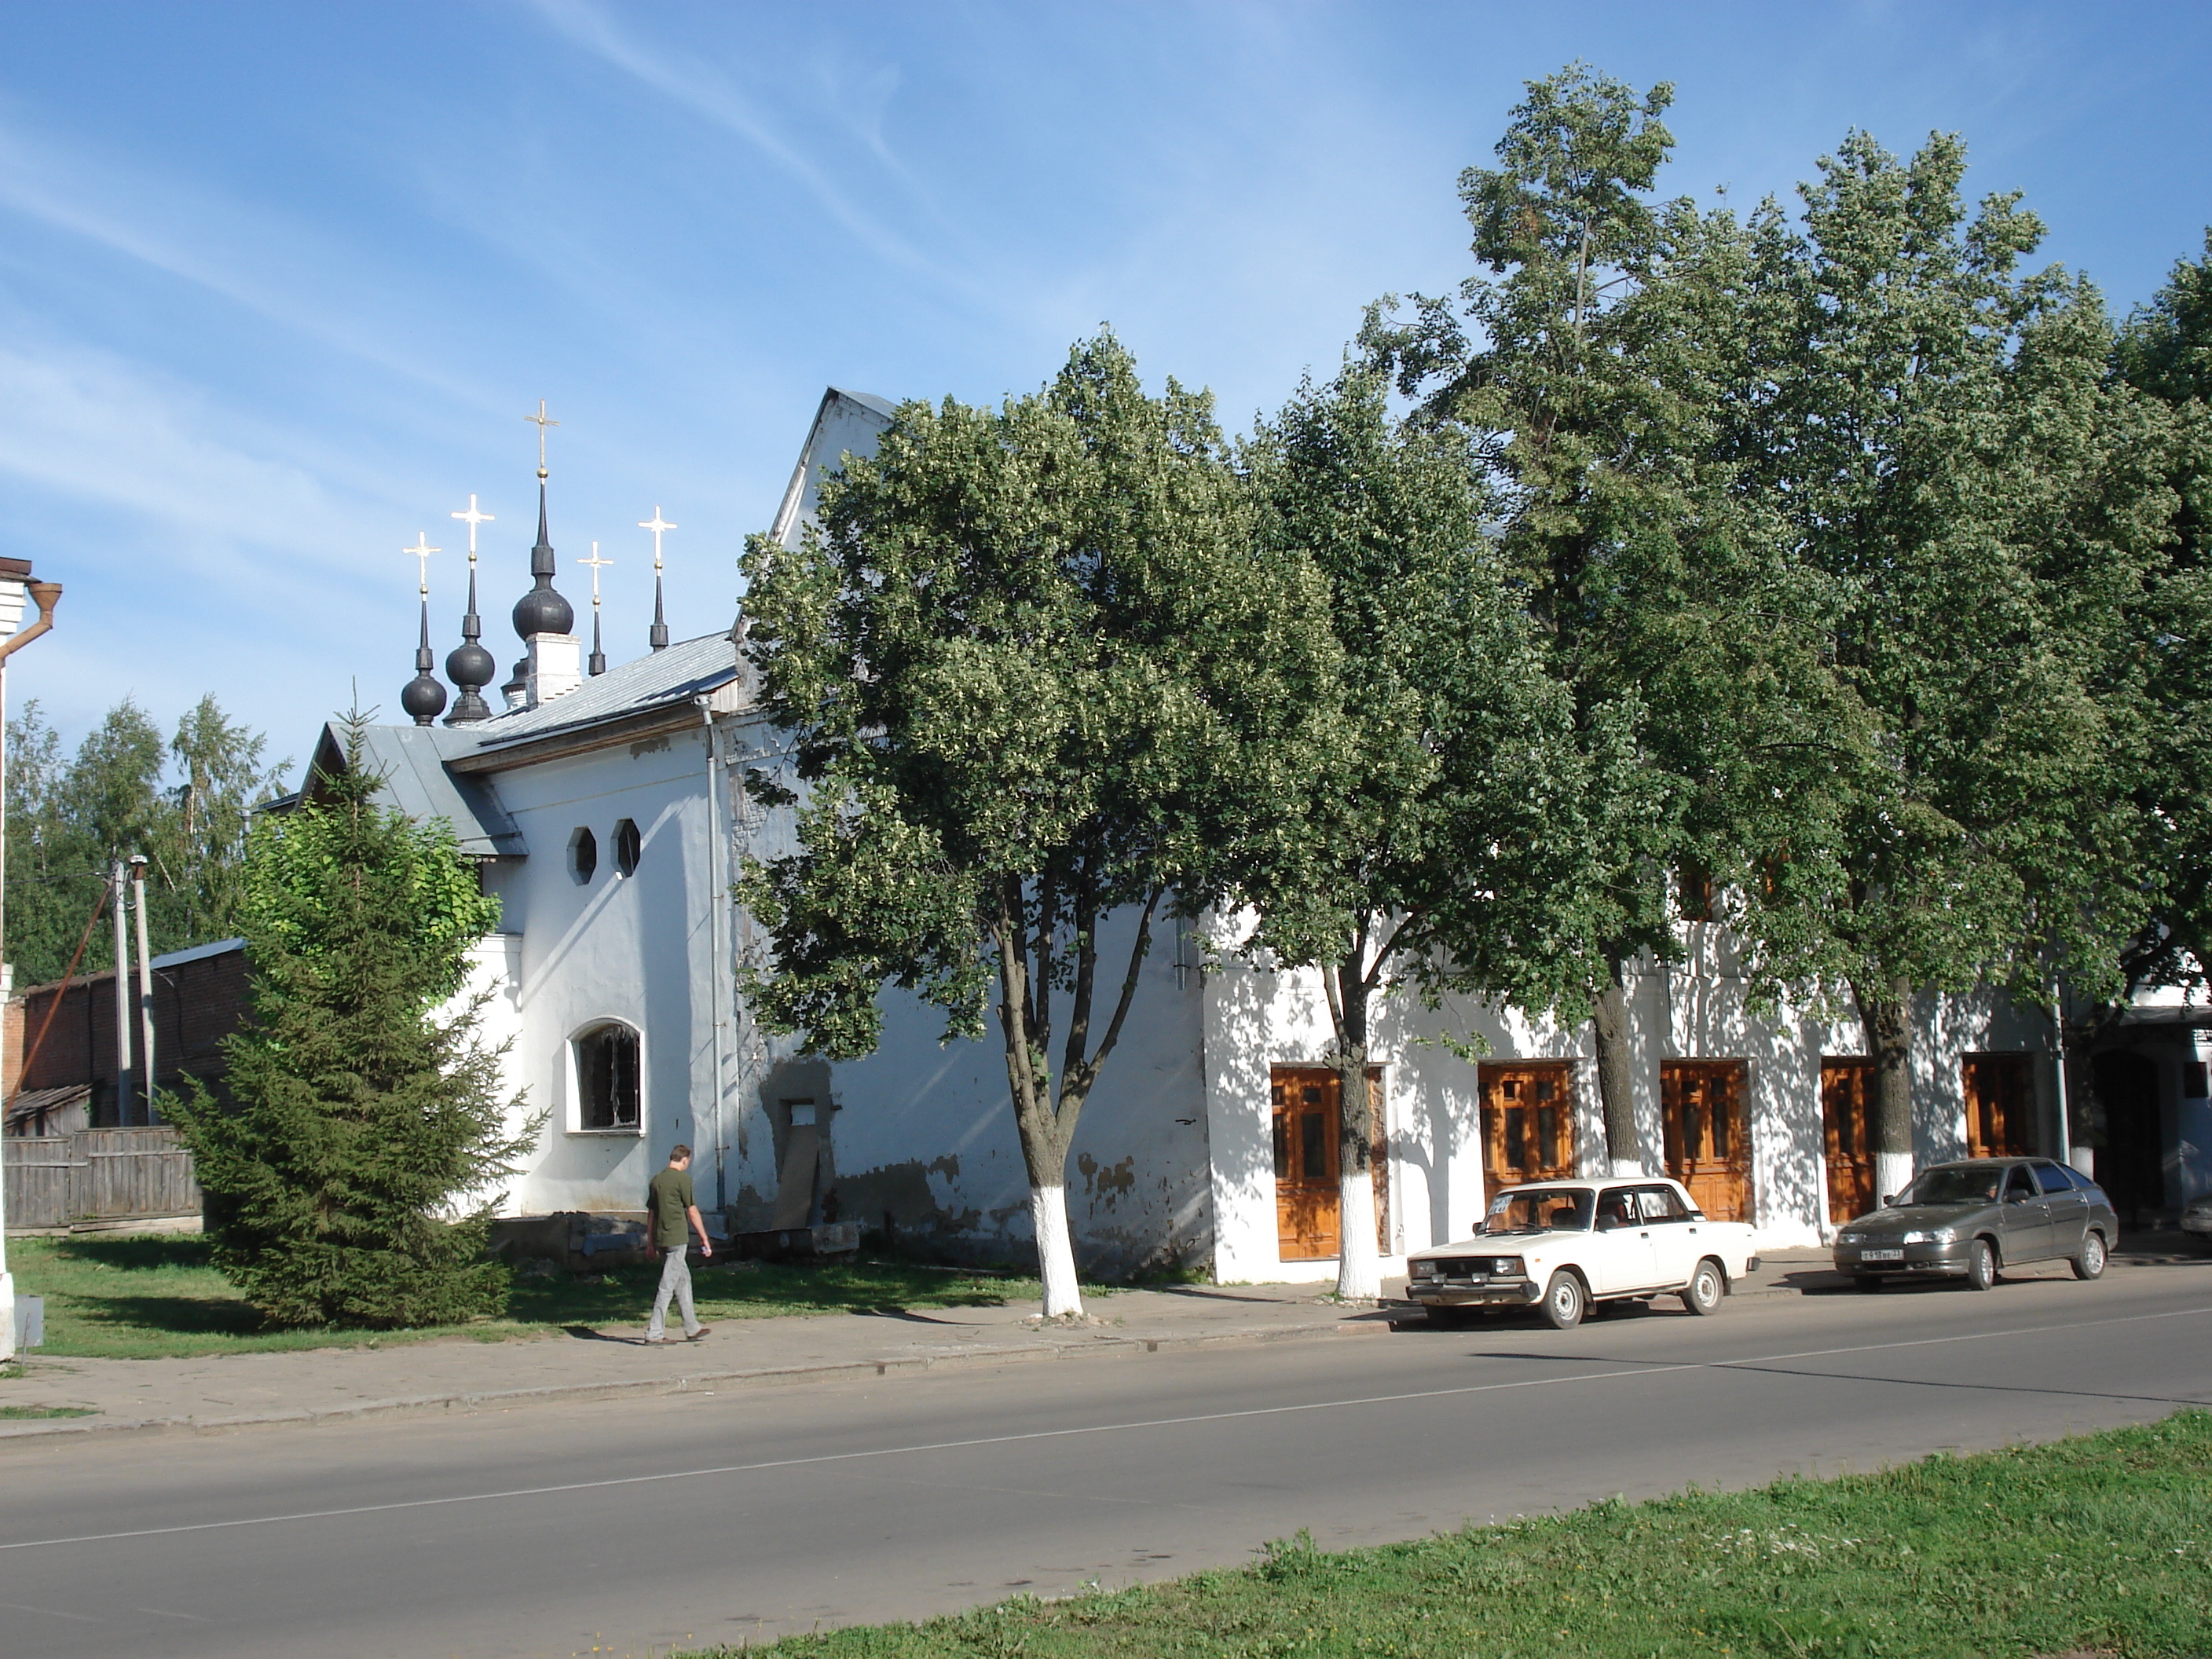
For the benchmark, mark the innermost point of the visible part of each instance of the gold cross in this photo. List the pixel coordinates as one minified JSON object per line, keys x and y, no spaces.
{"x":541,"y":424}
{"x":657,"y":525}
{"x":597,"y":564}
{"x":421,"y":551}
{"x":472,"y":518}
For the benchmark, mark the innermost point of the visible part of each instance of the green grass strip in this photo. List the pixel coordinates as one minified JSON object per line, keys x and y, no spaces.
{"x":20,"y":1413}
{"x":157,"y":1296}
{"x":2099,"y":1544}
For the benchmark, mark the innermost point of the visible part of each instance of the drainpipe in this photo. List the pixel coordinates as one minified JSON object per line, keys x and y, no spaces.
{"x":45,"y":596}
{"x":145,"y":982}
{"x":715,"y":885}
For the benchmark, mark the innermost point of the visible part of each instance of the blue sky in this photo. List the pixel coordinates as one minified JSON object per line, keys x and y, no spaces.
{"x":279,"y":281}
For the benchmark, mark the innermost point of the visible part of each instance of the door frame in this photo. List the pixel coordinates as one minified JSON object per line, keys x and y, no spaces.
{"x":1280,"y":1075}
{"x":1739,"y":1162}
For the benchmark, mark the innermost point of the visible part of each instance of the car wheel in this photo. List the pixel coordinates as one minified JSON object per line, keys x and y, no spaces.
{"x":2090,"y":1263}
{"x":1867,"y":1282}
{"x":1707,"y":1285}
{"x":1564,"y":1301}
{"x":1981,"y":1265}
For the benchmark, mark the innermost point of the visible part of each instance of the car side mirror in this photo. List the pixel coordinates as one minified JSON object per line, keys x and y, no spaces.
{"x":1888,"y":1201}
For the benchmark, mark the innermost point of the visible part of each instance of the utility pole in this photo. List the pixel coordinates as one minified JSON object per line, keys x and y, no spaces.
{"x":145,"y":982}
{"x":45,"y":596}
{"x":115,"y":880}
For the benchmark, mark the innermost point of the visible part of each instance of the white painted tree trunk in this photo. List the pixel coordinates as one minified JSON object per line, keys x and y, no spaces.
{"x":1063,"y":1298}
{"x":1892,"y":1173}
{"x":1628,"y":1167}
{"x":1358,"y":1268}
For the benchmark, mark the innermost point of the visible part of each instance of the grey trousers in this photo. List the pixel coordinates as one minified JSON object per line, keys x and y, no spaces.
{"x":676,"y":1281}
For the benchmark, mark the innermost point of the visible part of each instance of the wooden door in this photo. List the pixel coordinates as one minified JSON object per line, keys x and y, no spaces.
{"x":1308,"y":1206}
{"x":1999,"y":1105}
{"x":1701,"y":1114}
{"x":1529,"y":1122}
{"x":1846,"y":1086}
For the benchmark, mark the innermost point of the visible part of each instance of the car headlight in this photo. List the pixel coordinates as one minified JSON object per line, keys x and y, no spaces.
{"x":1939,"y":1237}
{"x":1851,"y":1238}
{"x":1425,"y":1270}
{"x":1507,"y":1267}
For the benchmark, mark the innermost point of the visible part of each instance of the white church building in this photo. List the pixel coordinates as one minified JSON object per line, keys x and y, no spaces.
{"x":609,"y":809}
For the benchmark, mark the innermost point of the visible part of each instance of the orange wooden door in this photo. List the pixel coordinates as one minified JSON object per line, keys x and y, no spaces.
{"x":1309,"y":1204}
{"x":1845,"y":1087}
{"x":1999,"y":1105}
{"x":1529,"y":1122}
{"x":1701,"y":1113}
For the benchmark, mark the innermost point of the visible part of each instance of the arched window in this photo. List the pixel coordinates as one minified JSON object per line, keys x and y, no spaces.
{"x":629,"y":847}
{"x":607,"y":1077}
{"x":583,"y":856}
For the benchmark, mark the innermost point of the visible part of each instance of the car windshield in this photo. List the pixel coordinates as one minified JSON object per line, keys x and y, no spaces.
{"x":1540,"y":1209}
{"x":1964,"y":1185}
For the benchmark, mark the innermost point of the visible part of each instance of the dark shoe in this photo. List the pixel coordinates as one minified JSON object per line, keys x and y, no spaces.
{"x":693,"y":1336}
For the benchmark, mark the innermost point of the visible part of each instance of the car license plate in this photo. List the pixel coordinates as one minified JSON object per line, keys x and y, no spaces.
{"x":1882,"y":1255}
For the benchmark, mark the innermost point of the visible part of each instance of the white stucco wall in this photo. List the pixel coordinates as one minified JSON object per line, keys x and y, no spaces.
{"x":631,"y":948}
{"x":1698,"y":1010}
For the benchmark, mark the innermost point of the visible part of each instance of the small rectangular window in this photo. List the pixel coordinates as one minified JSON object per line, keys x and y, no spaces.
{"x":2193,"y":1079}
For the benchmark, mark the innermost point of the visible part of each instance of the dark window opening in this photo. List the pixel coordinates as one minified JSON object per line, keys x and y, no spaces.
{"x":628,"y":846}
{"x":1693,"y":890}
{"x":584,"y":856}
{"x":606,"y":1077}
{"x":2193,"y":1079}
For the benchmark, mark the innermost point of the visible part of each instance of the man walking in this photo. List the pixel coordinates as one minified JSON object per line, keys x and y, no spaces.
{"x":668,"y":1197}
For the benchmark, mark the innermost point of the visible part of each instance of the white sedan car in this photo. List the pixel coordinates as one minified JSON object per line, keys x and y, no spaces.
{"x":1562,"y":1245}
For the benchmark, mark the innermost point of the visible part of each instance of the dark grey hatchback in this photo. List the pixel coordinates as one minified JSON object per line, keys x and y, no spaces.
{"x":1971,"y":1218}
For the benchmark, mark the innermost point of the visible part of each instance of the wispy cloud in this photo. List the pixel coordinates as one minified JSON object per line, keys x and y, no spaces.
{"x":708,"y":94}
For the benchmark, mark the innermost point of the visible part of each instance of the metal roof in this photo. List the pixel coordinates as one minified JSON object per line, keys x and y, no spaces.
{"x":413,"y":761}
{"x":685,"y":670}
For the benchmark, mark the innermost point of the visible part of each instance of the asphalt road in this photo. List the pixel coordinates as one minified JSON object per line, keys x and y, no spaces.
{"x":622,"y":1527}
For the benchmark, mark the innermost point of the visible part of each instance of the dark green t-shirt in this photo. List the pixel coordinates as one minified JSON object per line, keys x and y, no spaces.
{"x":668,"y":1196}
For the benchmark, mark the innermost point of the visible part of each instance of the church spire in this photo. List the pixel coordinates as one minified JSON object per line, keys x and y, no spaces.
{"x":541,"y":617}
{"x":599,"y":662}
{"x":470,"y":666}
{"x":658,"y":526}
{"x":423,"y":698}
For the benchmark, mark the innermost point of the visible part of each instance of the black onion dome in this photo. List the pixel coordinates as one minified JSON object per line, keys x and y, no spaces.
{"x":541,"y":610}
{"x":471,"y":666}
{"x":424,"y":699}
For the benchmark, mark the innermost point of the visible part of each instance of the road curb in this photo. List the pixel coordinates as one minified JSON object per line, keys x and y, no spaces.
{"x":1102,"y":1346}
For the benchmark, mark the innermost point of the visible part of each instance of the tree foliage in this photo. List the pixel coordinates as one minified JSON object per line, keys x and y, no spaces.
{"x":1036,"y":671}
{"x":1442,"y":821}
{"x":349,"y":1183}
{"x":185,"y":802}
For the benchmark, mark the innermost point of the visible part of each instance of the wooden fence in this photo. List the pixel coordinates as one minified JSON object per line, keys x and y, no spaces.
{"x":98,"y":1174}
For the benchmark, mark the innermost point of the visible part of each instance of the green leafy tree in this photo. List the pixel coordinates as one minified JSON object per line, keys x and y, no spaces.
{"x":1977,"y":503}
{"x":1442,"y":832}
{"x":2165,"y":353}
{"x":69,"y":817}
{"x":1039,"y":678}
{"x":348,"y":1184}
{"x":1588,"y":367}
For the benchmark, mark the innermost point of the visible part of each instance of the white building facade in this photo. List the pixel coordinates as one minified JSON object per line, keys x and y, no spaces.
{"x":610,"y":819}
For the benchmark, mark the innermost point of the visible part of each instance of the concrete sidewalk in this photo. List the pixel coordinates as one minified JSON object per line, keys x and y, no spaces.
{"x":340,"y":1384}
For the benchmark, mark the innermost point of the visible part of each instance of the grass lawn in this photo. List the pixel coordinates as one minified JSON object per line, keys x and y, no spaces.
{"x":2101,"y":1544}
{"x":153,"y":1295}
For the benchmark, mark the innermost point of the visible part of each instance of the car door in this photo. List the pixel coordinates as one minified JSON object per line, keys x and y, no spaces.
{"x":2068,"y":1209}
{"x":2026,"y":1217}
{"x":1620,"y":1247}
{"x":1676,"y":1247}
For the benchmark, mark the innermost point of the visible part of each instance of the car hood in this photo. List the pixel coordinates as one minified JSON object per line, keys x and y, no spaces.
{"x":1916,"y":1217}
{"x":1493,"y":1244}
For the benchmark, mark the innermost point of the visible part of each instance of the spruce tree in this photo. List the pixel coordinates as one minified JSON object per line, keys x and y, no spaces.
{"x":348,"y":1185}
